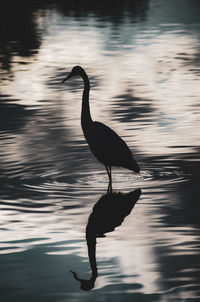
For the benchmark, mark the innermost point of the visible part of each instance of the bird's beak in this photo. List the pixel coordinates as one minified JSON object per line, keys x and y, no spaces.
{"x":75,"y":276}
{"x":68,"y":77}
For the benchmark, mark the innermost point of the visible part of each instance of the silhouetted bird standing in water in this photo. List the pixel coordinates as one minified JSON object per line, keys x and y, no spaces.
{"x":105,"y":144}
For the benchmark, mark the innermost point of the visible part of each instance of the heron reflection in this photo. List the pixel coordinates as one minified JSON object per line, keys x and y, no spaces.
{"x":107,"y":214}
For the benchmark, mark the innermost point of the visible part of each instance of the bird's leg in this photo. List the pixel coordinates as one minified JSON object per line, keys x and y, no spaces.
{"x":110,"y":178}
{"x":108,"y":172}
{"x":108,"y":168}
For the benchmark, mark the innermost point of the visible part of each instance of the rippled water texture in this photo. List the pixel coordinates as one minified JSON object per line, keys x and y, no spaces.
{"x":143,"y":61}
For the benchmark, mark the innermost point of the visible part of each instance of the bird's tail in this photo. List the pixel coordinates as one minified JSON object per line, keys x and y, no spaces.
{"x":135,"y":167}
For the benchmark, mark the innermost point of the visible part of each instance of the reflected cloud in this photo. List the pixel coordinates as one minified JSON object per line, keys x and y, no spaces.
{"x":24,"y":24}
{"x":108,"y":213}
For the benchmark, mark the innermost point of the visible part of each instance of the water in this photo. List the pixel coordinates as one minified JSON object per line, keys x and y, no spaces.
{"x":143,"y":62}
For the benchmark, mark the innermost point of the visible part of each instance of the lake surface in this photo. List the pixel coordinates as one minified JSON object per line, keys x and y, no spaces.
{"x":143,"y":61}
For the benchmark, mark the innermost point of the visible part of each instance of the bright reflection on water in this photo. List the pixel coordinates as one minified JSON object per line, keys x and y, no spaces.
{"x":143,"y":62}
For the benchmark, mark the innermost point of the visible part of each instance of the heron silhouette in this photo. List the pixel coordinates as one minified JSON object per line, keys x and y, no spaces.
{"x":108,"y":147}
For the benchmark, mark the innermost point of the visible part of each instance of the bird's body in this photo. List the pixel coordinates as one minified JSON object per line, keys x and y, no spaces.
{"x":108,"y":147}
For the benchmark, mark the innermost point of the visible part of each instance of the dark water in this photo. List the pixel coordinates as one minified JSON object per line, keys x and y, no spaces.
{"x":142,"y":58}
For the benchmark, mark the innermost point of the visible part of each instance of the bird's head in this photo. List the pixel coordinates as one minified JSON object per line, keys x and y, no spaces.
{"x":85,"y":284}
{"x":76,"y":70}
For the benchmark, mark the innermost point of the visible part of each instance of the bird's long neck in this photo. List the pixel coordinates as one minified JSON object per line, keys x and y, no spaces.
{"x":85,"y":112}
{"x":91,"y":244}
